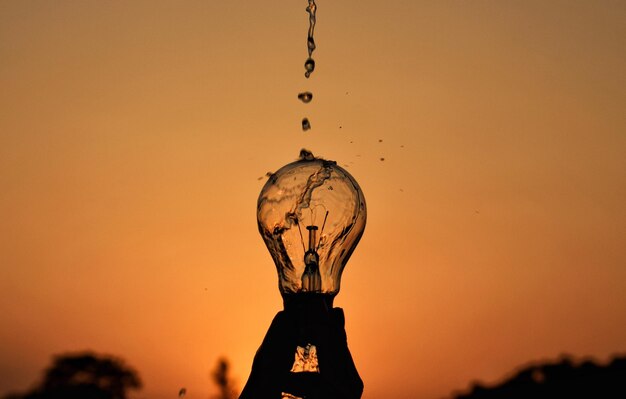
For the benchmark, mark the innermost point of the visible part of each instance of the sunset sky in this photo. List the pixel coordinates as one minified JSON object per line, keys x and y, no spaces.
{"x":133,"y":135}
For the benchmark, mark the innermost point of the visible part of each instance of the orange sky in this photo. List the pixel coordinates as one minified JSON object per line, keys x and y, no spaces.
{"x":132,"y":135}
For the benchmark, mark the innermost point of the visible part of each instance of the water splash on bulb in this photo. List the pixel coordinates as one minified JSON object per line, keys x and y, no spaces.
{"x":182,"y":393}
{"x":305,"y":96}
{"x":311,"y":195}
{"x":314,"y":181}
{"x":306,"y":155}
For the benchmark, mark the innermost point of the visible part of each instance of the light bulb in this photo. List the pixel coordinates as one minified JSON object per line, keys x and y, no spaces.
{"x":311,"y":215}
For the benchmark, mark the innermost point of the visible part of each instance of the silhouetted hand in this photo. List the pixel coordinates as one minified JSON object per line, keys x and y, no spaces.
{"x":305,"y":320}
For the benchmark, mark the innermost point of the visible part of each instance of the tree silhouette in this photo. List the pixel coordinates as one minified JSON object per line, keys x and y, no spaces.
{"x":84,"y":376}
{"x":221,"y":377}
{"x":563,"y":379}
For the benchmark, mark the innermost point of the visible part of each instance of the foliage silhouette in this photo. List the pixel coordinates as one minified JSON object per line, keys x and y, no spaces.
{"x":563,"y":379}
{"x":84,"y":376}
{"x":221,"y":377}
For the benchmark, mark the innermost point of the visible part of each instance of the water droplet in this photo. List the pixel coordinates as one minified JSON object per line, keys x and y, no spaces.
{"x":182,"y":392}
{"x":306,"y":155}
{"x":268,"y":174}
{"x":330,"y":188}
{"x":306,"y":125}
{"x":380,"y":140}
{"x":309,"y":66}
{"x":339,"y":127}
{"x":310,"y":42}
{"x":305,"y":96}
{"x":382,"y":159}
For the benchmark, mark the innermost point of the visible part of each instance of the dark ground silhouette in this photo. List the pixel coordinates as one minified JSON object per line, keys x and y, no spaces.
{"x":87,"y":375}
{"x":84,"y":376}
{"x":563,"y":379}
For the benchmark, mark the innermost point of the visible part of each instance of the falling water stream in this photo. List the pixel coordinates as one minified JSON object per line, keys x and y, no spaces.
{"x":309,"y":64}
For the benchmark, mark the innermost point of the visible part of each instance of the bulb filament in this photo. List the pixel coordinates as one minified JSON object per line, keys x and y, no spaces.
{"x":311,"y":278}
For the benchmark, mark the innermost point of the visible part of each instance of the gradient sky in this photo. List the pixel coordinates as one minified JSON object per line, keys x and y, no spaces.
{"x":133,"y":134}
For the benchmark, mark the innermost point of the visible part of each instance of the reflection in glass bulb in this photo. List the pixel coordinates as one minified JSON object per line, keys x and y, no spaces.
{"x":311,"y":215}
{"x":306,"y":360}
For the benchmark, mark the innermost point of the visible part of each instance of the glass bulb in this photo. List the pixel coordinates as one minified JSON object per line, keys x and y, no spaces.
{"x":311,"y":215}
